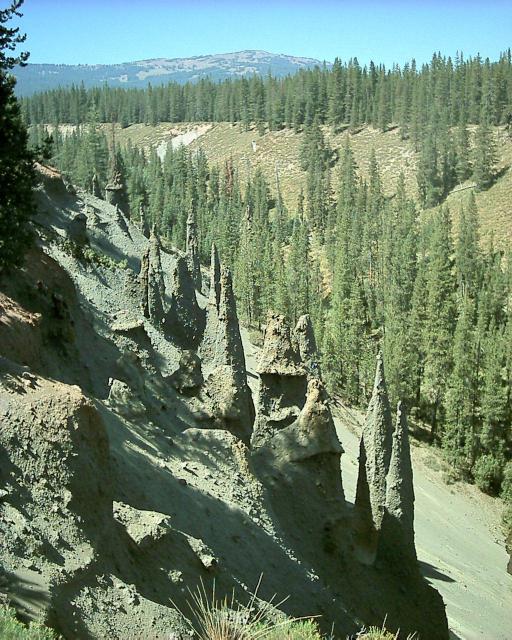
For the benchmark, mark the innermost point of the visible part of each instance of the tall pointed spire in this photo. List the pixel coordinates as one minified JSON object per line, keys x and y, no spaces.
{"x":144,"y":222}
{"x":115,"y":189}
{"x":214,"y":297}
{"x":305,"y":337}
{"x":375,"y":451}
{"x":192,"y":249}
{"x":229,"y":320}
{"x":156,"y":291}
{"x":226,"y":385}
{"x":397,"y":533}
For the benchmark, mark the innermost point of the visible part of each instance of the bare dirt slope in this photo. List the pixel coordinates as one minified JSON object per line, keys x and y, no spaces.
{"x":458,"y":539}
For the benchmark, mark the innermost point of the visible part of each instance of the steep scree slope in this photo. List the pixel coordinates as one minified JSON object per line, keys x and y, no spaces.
{"x":135,"y":460}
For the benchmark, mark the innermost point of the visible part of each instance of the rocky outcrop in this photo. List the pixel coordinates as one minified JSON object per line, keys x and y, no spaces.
{"x":51,"y":180}
{"x":374,"y":458}
{"x":192,"y":250}
{"x":115,"y":195}
{"x":95,"y":187}
{"x":21,"y":334}
{"x":145,"y":528}
{"x":78,"y":229}
{"x":313,"y":433}
{"x":54,"y":460}
{"x":294,"y":417}
{"x":115,"y":190}
{"x":283,"y":382}
{"x":305,"y":338}
{"x":294,"y":445}
{"x":228,"y":395}
{"x":124,"y":400}
{"x":188,"y":377}
{"x":396,"y":539}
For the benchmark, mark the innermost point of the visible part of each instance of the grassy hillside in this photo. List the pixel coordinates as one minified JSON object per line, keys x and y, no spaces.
{"x":280,"y":149}
{"x":495,"y":203}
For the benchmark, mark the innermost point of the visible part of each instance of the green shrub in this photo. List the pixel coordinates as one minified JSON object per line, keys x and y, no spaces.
{"x":381,"y":633}
{"x":488,"y":474}
{"x":506,"y":483}
{"x":12,"y":629}
{"x":375,"y":633}
{"x":227,"y":619}
{"x":93,"y":257}
{"x":292,"y":630}
{"x":506,"y":494}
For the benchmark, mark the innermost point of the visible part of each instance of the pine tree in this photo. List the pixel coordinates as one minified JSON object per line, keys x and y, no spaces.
{"x":484,"y":155}
{"x":467,"y":251}
{"x":440,"y":317}
{"x":462,"y":152}
{"x":399,"y":269}
{"x":460,"y":435}
{"x":429,"y":179}
{"x":495,"y":409}
{"x":495,"y":438}
{"x":336,"y":114}
{"x":16,"y":160}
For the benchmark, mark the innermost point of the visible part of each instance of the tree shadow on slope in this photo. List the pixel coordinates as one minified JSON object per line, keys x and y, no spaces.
{"x":26,"y":591}
{"x":429,"y":571}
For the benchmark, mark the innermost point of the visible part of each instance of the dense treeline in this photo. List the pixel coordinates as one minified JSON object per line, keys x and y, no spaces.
{"x":369,"y":273}
{"x":444,"y":92}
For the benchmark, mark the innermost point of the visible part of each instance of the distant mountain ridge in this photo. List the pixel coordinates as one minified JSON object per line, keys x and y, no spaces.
{"x":41,"y":77}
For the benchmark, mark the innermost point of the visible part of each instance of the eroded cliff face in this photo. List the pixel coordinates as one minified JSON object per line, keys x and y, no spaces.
{"x":135,"y":462}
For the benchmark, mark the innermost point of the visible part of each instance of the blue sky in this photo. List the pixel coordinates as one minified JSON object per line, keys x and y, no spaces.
{"x":109,"y":31}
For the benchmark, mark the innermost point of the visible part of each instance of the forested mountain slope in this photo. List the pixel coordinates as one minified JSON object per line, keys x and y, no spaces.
{"x":42,"y":77}
{"x":278,"y":155}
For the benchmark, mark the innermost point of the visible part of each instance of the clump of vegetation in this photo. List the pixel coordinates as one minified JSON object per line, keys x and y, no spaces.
{"x":381,"y":633}
{"x":13,"y":629}
{"x":227,"y":619}
{"x":506,"y":494}
{"x":94,"y":257}
{"x":487,"y":474}
{"x":91,"y":256}
{"x":293,"y":630}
